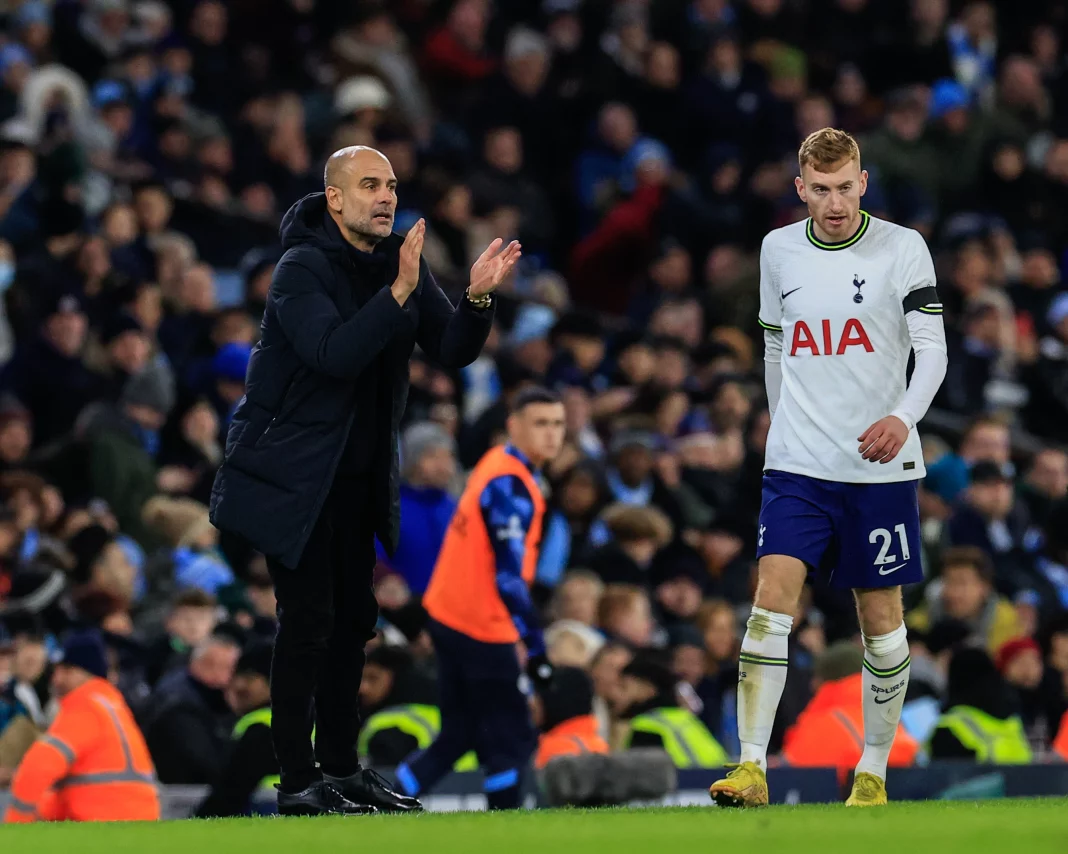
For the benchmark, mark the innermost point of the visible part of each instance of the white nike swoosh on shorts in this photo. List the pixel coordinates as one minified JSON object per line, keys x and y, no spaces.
{"x":892,"y":569}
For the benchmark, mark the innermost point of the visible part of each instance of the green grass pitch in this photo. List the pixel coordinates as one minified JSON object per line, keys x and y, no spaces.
{"x":1027,"y":826}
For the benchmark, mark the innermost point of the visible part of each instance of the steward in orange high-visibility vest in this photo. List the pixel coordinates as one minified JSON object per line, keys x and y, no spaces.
{"x":563,"y":712}
{"x":480,"y":609}
{"x":92,"y":764}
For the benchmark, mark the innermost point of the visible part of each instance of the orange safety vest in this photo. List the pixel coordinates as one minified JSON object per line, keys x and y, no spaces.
{"x":571,"y":738}
{"x":462,"y":593}
{"x":830,"y":731}
{"x":1060,"y":743}
{"x":91,"y":765}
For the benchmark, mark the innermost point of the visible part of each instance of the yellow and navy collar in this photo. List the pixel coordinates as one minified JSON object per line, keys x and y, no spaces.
{"x":810,"y":233}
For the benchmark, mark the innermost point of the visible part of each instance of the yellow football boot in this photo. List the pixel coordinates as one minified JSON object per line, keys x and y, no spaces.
{"x":868,"y":791}
{"x":744,"y":786}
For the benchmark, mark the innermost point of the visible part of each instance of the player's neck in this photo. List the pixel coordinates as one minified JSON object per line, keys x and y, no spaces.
{"x":824,"y":237}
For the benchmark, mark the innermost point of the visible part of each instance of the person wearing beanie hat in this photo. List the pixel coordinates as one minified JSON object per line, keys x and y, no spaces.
{"x":195,"y":559}
{"x":94,"y":735}
{"x":251,"y":764}
{"x":1042,"y":702}
{"x":428,"y":467}
{"x":649,"y":701}
{"x":102,"y":564}
{"x":563,"y":713}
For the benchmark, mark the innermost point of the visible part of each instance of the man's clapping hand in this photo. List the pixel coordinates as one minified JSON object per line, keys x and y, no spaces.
{"x":492,"y":267}
{"x":408,"y":271}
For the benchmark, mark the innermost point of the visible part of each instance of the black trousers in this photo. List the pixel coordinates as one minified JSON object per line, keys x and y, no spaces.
{"x":326,"y":614}
{"x":482,"y":709}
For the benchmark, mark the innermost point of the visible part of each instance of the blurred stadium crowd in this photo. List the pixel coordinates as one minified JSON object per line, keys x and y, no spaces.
{"x":640,"y":151}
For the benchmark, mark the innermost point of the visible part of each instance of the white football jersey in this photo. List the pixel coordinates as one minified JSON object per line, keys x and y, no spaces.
{"x":845,"y":344}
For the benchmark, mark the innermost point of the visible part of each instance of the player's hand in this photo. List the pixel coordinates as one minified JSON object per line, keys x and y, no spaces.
{"x":408,"y":270}
{"x":493,"y":266}
{"x":881,"y":442}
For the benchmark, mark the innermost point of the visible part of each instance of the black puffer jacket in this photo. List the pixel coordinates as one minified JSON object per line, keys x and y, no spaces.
{"x":330,"y":314}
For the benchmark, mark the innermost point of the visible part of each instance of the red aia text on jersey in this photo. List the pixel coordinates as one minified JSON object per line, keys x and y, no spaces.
{"x":852,"y":335}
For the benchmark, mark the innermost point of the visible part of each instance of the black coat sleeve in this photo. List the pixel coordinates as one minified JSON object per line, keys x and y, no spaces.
{"x":251,"y":760}
{"x":183,"y":749}
{"x":390,"y":747}
{"x":321,"y":339}
{"x":452,"y":337}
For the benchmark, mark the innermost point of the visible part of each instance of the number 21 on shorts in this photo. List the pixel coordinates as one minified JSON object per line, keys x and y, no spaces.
{"x":884,"y":538}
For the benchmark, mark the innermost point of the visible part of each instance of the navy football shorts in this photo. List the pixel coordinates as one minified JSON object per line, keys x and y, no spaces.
{"x":862,"y":534}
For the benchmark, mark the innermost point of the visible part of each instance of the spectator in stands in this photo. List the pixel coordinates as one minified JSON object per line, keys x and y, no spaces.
{"x":428,"y":470}
{"x":967,"y":593}
{"x":578,"y":597}
{"x":1042,"y":696}
{"x":563,"y":713}
{"x":625,"y":615}
{"x":251,"y":764}
{"x":188,"y":722}
{"x":569,"y":643}
{"x":189,"y":623}
{"x":982,"y":720}
{"x":637,"y":534}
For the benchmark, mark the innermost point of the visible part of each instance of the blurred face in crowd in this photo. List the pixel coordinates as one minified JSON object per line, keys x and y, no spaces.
{"x":978,"y":19}
{"x":1058,"y":651}
{"x":504,"y":150}
{"x":929,"y":13}
{"x":248,"y":691}
{"x":375,"y":686}
{"x":618,"y":127}
{"x":130,"y":351}
{"x":192,"y":626}
{"x":1025,"y":670}
{"x":605,"y":673}
{"x":680,"y":596}
{"x":15,"y":439}
{"x":528,"y":71}
{"x":577,"y":599}
{"x":538,"y":431}
{"x":262,"y":598}
{"x":635,"y":464}
{"x":832,"y":193}
{"x":1049,"y":473}
{"x":638,"y":363}
{"x":663,"y":67}
{"x":18,"y":167}
{"x":688,"y":663}
{"x":721,"y":635}
{"x":153,"y":206}
{"x":213,"y":664}
{"x":672,"y":367}
{"x":987,"y":441}
{"x":964,"y":592}
{"x":113,"y":572}
{"x":147,"y":308}
{"x":209,"y":23}
{"x":731,"y":406}
{"x":120,"y":225}
{"x":29,"y":661}
{"x":634,"y":624}
{"x":579,"y":495}
{"x":66,"y":679}
{"x":436,"y":468}
{"x":632,"y":691}
{"x":671,"y":271}
{"x":467,"y":21}
{"x":576,"y":409}
{"x":233,"y":327}
{"x":568,"y":650}
{"x":361,"y":195}
{"x":992,"y":499}
{"x":66,"y":331}
{"x":683,"y":319}
{"x":1039,"y":269}
{"x":197,"y":289}
{"x":588,"y":353}
{"x":720,"y":549}
{"x":392,"y":591}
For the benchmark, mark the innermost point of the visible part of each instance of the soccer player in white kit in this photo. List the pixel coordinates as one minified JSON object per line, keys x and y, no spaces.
{"x":844,"y":297}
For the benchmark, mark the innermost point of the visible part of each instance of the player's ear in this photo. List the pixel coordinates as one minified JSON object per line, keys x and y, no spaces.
{"x":863,"y":181}
{"x":800,"y":185}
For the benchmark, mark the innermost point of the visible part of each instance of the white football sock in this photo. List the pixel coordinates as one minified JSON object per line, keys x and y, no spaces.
{"x":761,"y":678}
{"x":886,"y":679}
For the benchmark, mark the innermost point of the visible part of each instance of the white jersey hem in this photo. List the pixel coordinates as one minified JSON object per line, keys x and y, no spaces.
{"x":889,"y":477}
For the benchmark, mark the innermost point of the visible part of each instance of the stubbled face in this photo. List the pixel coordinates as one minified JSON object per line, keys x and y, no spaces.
{"x":833,"y":196}
{"x":364,"y":197}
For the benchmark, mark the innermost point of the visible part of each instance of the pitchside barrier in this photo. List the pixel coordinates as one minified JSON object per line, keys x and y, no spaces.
{"x":938,"y":781}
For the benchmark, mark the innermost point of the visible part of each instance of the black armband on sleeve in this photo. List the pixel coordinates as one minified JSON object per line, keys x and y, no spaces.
{"x":923,"y":299}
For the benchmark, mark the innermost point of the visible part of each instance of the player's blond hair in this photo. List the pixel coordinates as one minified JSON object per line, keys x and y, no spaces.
{"x":826,"y":147}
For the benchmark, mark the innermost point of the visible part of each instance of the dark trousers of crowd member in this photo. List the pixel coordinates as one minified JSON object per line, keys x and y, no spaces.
{"x":482,"y":709}
{"x":326,"y":613}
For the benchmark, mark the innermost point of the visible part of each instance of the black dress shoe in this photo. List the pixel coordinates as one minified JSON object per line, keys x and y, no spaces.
{"x":370,"y":787}
{"x":320,"y":799}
